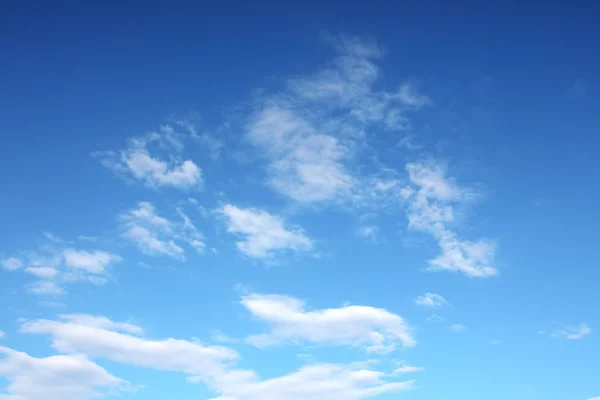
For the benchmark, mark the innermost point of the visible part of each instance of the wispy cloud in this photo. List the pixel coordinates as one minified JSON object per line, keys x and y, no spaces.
{"x":435,"y":318}
{"x":406,"y":369}
{"x":430,"y":199}
{"x":430,"y":300}
{"x":458,"y":328}
{"x":573,"y":332}
{"x":12,"y":263}
{"x":264,"y":234}
{"x":578,"y":89}
{"x":137,"y":162}
{"x":375,"y":329}
{"x":156,"y":235}
{"x":56,"y":266}
{"x":312,"y":132}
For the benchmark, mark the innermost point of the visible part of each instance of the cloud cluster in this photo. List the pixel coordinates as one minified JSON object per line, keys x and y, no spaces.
{"x":430,"y":198}
{"x":375,"y":329}
{"x":310,"y":134}
{"x":83,"y":338}
{"x":55,"y":267}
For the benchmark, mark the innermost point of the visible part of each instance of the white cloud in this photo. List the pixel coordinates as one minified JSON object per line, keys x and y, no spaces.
{"x":316,"y":382}
{"x":157,"y":235}
{"x":406,"y":369}
{"x":46,"y":288}
{"x":573,"y":332}
{"x":99,"y":337}
{"x":595,"y":398}
{"x":264,"y":233}
{"x":435,"y":318}
{"x":57,"y":377}
{"x":458,"y":328}
{"x":311,"y":134}
{"x":42,"y":272}
{"x":430,"y":197}
{"x":430,"y":300}
{"x":305,"y":165}
{"x":375,"y":329}
{"x":91,"y":262}
{"x":137,"y":162}
{"x":101,"y":323}
{"x":12,"y":263}
{"x":2,"y":335}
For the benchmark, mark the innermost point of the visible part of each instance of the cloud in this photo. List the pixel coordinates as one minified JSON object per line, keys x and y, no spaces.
{"x":137,"y":162}
{"x":595,"y":398}
{"x":573,"y":332}
{"x":430,"y":300}
{"x":375,"y":329}
{"x":62,"y":377}
{"x":265,"y":234}
{"x":368,"y":232}
{"x":12,"y":264}
{"x":100,"y":337}
{"x":430,"y":198}
{"x":91,"y":262}
{"x":317,"y":382}
{"x":312,"y":133}
{"x":156,"y":235}
{"x":2,"y":335}
{"x":42,"y":272}
{"x":406,"y":369}
{"x":458,"y":328}
{"x":578,"y":89}
{"x":495,"y":342}
{"x":435,"y":318}
{"x":46,"y":288}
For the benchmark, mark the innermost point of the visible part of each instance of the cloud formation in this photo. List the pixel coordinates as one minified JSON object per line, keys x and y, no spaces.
{"x":264,"y":234}
{"x":138,"y":163}
{"x":430,"y":300}
{"x":375,"y":329}
{"x":157,"y":235}
{"x":573,"y":332}
{"x":430,"y":198}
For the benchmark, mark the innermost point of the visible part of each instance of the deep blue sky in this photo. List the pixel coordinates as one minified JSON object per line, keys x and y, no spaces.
{"x":493,"y":173}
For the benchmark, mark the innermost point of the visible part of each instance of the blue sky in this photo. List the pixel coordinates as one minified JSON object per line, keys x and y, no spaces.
{"x":296,"y":202}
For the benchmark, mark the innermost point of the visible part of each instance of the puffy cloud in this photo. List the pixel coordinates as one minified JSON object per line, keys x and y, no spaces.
{"x":375,"y":329}
{"x":573,"y":332}
{"x":430,"y":300}
{"x":265,"y":234}
{"x":430,"y":197}
{"x":91,"y":262}
{"x":138,"y":163}
{"x":62,"y":377}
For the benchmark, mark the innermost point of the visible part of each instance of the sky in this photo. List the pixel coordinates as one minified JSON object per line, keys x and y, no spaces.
{"x":285,"y":201}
